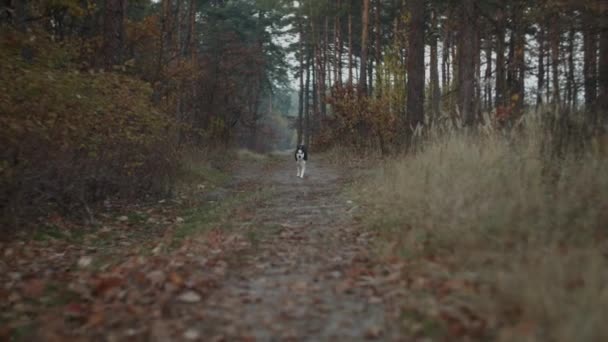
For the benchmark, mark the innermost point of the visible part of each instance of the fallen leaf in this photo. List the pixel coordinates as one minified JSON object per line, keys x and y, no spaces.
{"x":34,"y":288}
{"x":156,"y":277}
{"x":74,"y":310}
{"x":176,"y":279}
{"x":85,"y":261}
{"x":192,"y":334}
{"x":105,"y":284}
{"x":373,"y":332}
{"x":189,"y":297}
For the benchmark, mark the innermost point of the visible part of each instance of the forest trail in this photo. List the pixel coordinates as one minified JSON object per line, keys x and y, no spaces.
{"x":308,"y":276}
{"x":264,"y":257}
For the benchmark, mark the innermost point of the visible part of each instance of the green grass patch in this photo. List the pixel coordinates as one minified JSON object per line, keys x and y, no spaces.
{"x":216,"y":214}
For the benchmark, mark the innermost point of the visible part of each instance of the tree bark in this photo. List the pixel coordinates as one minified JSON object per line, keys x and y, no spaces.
{"x":517,"y":91}
{"x":338,"y":31}
{"x":113,"y":31}
{"x":445,"y":60}
{"x":415,"y":67}
{"x":571,"y":82}
{"x":590,"y":64}
{"x":466,"y":62}
{"x":350,"y":49}
{"x":378,"y":26}
{"x":500,"y":59}
{"x":307,"y":102}
{"x":541,"y":67}
{"x":300,"y":124}
{"x":603,"y":62}
{"x":435,"y":91}
{"x":555,"y":37}
{"x":488,"y":75}
{"x":364,"y":38}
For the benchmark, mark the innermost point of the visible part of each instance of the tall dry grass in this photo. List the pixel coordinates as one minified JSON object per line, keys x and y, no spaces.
{"x":527,"y":228}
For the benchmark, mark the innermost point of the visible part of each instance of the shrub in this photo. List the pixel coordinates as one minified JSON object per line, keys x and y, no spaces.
{"x":70,"y":137}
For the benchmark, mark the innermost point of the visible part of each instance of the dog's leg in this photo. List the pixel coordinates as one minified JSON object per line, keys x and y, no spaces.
{"x":298,"y":167}
{"x":303,"y":169}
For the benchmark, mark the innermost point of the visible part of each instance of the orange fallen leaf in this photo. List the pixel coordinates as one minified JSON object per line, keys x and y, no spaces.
{"x":176,"y":279}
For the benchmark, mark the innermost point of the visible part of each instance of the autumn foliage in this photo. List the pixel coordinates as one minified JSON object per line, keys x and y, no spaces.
{"x":71,"y":137}
{"x":358,"y":121}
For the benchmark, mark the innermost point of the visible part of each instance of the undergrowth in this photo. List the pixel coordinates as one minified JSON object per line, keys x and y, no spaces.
{"x":518,"y":234}
{"x":71,"y":137}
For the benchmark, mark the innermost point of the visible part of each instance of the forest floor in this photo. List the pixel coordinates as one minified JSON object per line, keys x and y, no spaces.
{"x":261,"y":256}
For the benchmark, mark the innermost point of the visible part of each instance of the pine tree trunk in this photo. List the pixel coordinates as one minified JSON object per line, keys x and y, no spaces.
{"x":300,"y":124}
{"x":466,"y":63}
{"x":350,"y":49}
{"x":445,"y":60}
{"x":518,"y":91}
{"x":500,"y":60}
{"x":307,"y":102}
{"x":488,"y":75}
{"x":415,"y":67}
{"x":113,"y":31}
{"x":378,"y":26}
{"x":364,"y":38}
{"x":477,"y":81}
{"x":571,"y":86}
{"x":541,"y":67}
{"x":603,"y":62}
{"x":435,"y":91}
{"x":590,"y":65}
{"x":338,"y":32}
{"x":555,"y":37}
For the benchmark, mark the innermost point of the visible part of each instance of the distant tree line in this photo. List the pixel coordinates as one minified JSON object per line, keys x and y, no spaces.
{"x":214,"y":64}
{"x":456,"y":63}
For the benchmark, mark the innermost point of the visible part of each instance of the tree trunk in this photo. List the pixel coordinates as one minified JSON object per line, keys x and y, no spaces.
{"x":364,"y":37}
{"x":541,"y":67}
{"x":435,"y":91}
{"x":300,"y":124}
{"x":445,"y":60}
{"x":113,"y":31}
{"x":378,"y":26}
{"x":477,"y":81}
{"x":338,"y":30}
{"x":603,"y":72}
{"x":555,"y":37}
{"x":466,"y":62}
{"x":315,"y":94}
{"x":500,"y":59}
{"x":517,"y":91}
{"x":415,"y":67}
{"x":324,"y":68}
{"x":488,"y":75}
{"x":571,"y":82}
{"x":590,"y":65}
{"x":307,"y":102}
{"x":350,"y":49}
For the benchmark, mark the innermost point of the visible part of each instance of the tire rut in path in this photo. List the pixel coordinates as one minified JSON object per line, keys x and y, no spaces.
{"x":296,"y":283}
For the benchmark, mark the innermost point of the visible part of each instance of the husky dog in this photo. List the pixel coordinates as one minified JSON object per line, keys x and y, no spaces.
{"x":301,"y":156}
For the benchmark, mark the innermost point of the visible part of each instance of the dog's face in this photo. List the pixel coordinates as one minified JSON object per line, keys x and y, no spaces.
{"x":300,"y":152}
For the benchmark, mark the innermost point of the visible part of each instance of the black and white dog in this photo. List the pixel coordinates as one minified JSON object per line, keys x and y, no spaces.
{"x":301,"y":158}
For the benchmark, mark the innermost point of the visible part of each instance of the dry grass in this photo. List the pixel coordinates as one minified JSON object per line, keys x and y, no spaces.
{"x":529,"y":231}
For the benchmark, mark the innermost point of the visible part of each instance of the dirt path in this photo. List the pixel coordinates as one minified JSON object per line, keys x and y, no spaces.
{"x":305,"y":276}
{"x":269,"y":257}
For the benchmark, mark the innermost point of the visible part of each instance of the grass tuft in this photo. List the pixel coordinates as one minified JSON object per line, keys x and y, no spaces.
{"x":530,"y":229}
